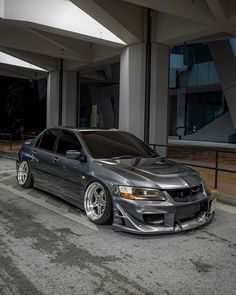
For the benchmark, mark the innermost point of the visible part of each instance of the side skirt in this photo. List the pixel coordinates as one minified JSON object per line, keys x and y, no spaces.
{"x":70,"y":199}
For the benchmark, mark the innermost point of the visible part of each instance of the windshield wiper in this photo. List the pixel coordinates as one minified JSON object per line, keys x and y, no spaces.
{"x":124,"y":157}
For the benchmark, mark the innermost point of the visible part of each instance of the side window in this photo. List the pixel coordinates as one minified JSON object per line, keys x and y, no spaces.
{"x":38,"y":141}
{"x":48,"y":140}
{"x":67,"y":141}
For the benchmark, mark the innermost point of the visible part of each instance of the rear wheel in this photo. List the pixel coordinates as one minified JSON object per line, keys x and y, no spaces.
{"x":98,"y":204}
{"x":24,"y":175}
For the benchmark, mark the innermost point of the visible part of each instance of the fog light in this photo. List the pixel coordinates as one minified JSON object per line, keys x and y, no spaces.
{"x":154,"y":219}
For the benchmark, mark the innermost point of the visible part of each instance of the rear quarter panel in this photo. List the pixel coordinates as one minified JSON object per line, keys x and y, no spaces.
{"x":25,"y":152}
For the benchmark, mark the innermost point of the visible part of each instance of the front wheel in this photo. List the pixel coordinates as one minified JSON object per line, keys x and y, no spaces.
{"x":24,"y":175}
{"x":98,"y":204}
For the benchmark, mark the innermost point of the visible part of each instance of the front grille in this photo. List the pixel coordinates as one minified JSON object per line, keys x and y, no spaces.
{"x":190,"y":211}
{"x":187,"y":212}
{"x":187,"y":194}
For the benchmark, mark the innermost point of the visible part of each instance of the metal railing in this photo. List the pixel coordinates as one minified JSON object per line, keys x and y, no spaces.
{"x":216,"y":152}
{"x":6,"y":137}
{"x":28,"y":136}
{"x":203,"y":121}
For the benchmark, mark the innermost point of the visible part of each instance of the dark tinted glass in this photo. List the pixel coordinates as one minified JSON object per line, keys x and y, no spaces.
{"x":38,"y":141}
{"x":110,"y":144}
{"x":48,"y":140}
{"x":67,"y":141}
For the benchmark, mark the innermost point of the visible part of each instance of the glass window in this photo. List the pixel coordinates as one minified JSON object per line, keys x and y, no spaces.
{"x":67,"y":141}
{"x":111,"y":144}
{"x":48,"y":140}
{"x":38,"y":141}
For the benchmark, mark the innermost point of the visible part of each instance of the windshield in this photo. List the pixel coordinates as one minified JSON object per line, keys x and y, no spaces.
{"x":116,"y":144}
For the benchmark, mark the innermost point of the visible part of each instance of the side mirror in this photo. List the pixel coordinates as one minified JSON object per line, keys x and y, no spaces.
{"x":73,"y":154}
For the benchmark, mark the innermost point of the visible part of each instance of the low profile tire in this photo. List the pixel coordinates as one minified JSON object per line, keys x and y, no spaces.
{"x":98,"y":204}
{"x":24,"y":175}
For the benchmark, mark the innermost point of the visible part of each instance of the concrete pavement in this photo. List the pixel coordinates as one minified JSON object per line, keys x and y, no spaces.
{"x":49,"y":247}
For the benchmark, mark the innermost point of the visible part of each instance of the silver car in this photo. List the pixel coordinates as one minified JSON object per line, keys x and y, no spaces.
{"x":116,"y":179}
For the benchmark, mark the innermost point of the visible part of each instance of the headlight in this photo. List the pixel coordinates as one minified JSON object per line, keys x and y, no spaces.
{"x":141,"y":194}
{"x":205,"y":187}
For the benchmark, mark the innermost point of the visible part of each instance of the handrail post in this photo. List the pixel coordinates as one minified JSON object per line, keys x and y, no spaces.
{"x":216,"y":169}
{"x":11,"y":142}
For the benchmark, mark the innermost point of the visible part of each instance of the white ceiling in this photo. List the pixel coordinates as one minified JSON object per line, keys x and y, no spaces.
{"x":87,"y":33}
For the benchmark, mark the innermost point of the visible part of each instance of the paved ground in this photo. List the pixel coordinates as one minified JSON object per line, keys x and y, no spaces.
{"x":48,"y":247}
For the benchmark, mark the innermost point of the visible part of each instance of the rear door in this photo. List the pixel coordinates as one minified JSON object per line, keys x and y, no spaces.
{"x":44,"y":158}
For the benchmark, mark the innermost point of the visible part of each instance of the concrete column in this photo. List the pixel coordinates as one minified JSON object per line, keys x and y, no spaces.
{"x":70,"y":110}
{"x":116,"y":110}
{"x":106,"y":105}
{"x":52,"y":99}
{"x":132,"y":87}
{"x":106,"y":110}
{"x":225,"y":63}
{"x":180,"y":118}
{"x":159,"y":96}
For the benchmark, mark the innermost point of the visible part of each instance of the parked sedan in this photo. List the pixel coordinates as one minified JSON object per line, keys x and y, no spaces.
{"x":116,"y":179}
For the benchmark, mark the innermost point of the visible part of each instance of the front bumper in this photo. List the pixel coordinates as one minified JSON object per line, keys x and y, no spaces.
{"x":159,"y":218}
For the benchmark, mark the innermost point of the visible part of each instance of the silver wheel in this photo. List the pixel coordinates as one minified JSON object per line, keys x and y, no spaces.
{"x":22,"y":173}
{"x":95,"y":201}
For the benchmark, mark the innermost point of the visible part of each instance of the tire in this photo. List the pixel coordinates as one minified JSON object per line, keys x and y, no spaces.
{"x":24,"y":175}
{"x":98,"y":203}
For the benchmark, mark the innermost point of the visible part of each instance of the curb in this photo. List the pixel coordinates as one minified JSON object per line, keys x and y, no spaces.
{"x":225,"y":199}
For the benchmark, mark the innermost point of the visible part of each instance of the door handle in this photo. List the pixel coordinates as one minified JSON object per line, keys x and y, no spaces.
{"x":55,"y":160}
{"x":34,"y":158}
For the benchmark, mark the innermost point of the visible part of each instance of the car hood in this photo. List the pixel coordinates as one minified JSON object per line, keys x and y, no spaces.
{"x":154,"y":172}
